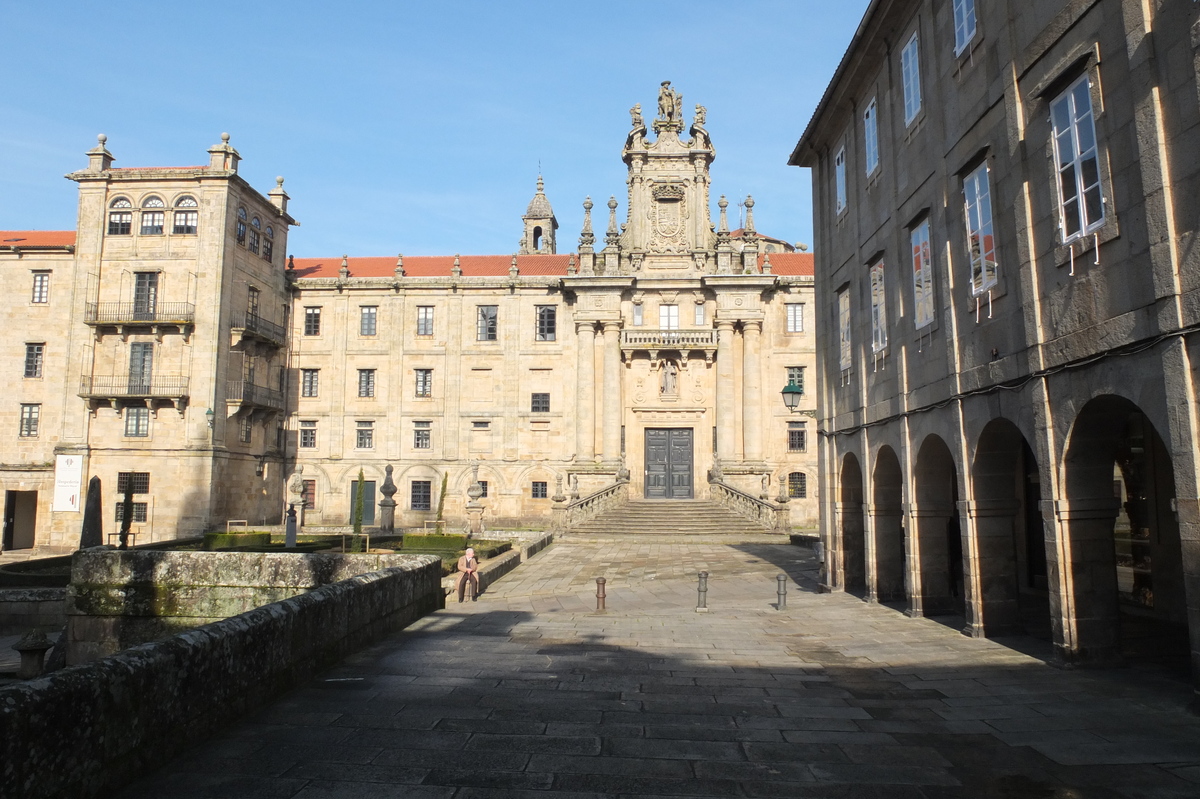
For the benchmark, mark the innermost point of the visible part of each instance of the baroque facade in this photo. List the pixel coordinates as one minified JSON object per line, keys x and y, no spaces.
{"x":1005,"y":202}
{"x":226,"y":380}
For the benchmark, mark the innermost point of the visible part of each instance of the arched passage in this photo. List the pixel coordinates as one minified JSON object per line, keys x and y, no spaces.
{"x":852,"y":545}
{"x":1122,"y":589}
{"x":888,"y":563}
{"x":937,"y":548}
{"x":1009,"y":562}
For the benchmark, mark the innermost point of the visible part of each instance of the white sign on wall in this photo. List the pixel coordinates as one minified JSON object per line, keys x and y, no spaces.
{"x":68,"y":483}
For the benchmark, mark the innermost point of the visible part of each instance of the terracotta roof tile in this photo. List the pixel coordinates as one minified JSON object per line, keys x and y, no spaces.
{"x":435,"y":266}
{"x":154,"y":168}
{"x":789,"y":263}
{"x":37,"y":238}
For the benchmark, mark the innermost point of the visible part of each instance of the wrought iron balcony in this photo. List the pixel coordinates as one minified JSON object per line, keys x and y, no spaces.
{"x":668,"y":339}
{"x":253,"y":326}
{"x":253,"y":396}
{"x":172,"y":387}
{"x":138,"y":313}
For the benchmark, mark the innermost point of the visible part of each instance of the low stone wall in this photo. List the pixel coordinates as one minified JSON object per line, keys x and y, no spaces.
{"x":25,"y":609}
{"x":86,"y":730}
{"x":119,"y":599}
{"x":489,"y":572}
{"x":531,"y":548}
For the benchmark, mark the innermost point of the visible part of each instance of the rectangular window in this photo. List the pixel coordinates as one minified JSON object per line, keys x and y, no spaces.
{"x":279,"y":436}
{"x":241,"y":233}
{"x":539,"y":489}
{"x":366,"y":382}
{"x":312,"y":321}
{"x":879,"y":336}
{"x":253,"y":297}
{"x":424,"y":320}
{"x":1080,"y":197}
{"x":140,"y":514}
{"x":481,"y":425}
{"x":964,"y":24}
{"x":153,"y":223}
{"x":483,"y":485}
{"x":309,"y":494}
{"x":30,"y":414}
{"x":795,"y":317}
{"x":795,"y":377}
{"x":547,"y":322}
{"x":798,"y":485}
{"x":421,"y":495}
{"x":637,"y":315}
{"x":145,"y":295}
{"x":839,"y":178}
{"x":421,"y":435}
{"x":365,"y":435}
{"x":310,"y":382}
{"x":981,"y":245}
{"x":699,"y":317}
{"x":367,"y":316}
{"x":120,"y":223}
{"x":308,"y":435}
{"x":797,"y":437}
{"x":485,"y":322}
{"x":138,"y":482}
{"x":871,"y":137}
{"x":245,"y":430}
{"x":268,"y":249}
{"x":41,"y":287}
{"x":540,"y":403}
{"x":844,"y":352}
{"x":137,"y":422}
{"x":141,"y":367}
{"x":34,"y":355}
{"x":253,"y":245}
{"x":424,"y":382}
{"x":668,"y":317}
{"x":186,"y":223}
{"x":911,"y":71}
{"x":922,"y":276}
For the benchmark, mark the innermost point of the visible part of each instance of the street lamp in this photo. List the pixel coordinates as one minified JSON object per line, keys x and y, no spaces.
{"x":791,"y":396}
{"x":208,"y":417}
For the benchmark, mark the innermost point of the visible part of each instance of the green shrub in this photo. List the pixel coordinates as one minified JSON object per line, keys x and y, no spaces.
{"x":226,"y":540}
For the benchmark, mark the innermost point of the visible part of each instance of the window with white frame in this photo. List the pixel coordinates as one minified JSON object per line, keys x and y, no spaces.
{"x":153,"y":216}
{"x":368,"y":316}
{"x":871,"y":136}
{"x":424,"y":320}
{"x":668,"y":317}
{"x":878,"y":309}
{"x":421,"y":435}
{"x":366,"y":382}
{"x":34,"y":359}
{"x":910,"y":71}
{"x":120,"y":217}
{"x":839,"y":178}
{"x":308,"y":434}
{"x":922,"y":263}
{"x":795,"y":317}
{"x":795,"y":377}
{"x":637,"y":314}
{"x":981,"y":244}
{"x":797,"y":437}
{"x":187,"y":219}
{"x":424,"y":382}
{"x":699,"y":317}
{"x":964,"y":24}
{"x":310,"y":382}
{"x":41,"y":287}
{"x":365,"y":435}
{"x":486,"y":322}
{"x":547,"y":322}
{"x":137,"y":422}
{"x":31,"y":413}
{"x":843,"y":307}
{"x":1080,"y":195}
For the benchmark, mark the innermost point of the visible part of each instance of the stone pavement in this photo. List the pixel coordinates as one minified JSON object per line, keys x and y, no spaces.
{"x":531,"y":693}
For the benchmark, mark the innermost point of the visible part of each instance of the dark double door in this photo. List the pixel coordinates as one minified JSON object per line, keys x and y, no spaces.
{"x":669,"y":463}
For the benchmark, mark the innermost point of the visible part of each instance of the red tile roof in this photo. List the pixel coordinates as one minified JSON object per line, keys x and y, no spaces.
{"x":435,"y":266}
{"x":37,"y":238}
{"x":154,"y":168}
{"x":789,"y":263}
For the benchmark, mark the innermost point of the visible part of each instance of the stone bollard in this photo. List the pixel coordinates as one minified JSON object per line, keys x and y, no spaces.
{"x":33,"y":654}
{"x":600,"y":581}
{"x":702,"y":593}
{"x":782,"y":591}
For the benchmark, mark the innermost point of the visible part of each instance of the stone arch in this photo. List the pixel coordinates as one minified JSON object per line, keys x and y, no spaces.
{"x":851,"y":547}
{"x":1009,"y":538}
{"x":888,"y":565}
{"x":1124,"y":564}
{"x":937,"y":541}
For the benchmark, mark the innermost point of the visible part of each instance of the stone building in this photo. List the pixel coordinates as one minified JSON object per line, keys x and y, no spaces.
{"x":1005,"y":202}
{"x":194,"y":357}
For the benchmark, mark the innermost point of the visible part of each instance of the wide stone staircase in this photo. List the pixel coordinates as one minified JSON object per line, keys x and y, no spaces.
{"x":669,"y":517}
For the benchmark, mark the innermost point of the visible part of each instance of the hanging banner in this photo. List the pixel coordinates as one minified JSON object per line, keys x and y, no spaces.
{"x":68,"y":483}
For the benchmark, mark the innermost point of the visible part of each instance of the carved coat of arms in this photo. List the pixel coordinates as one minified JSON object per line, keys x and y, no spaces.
{"x":668,"y":218}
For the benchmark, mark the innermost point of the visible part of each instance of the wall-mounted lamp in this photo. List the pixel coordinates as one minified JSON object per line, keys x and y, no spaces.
{"x":260,"y":466}
{"x":208,"y":417}
{"x":791,"y":396}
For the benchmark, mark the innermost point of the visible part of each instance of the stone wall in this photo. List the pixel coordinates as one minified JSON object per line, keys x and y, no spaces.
{"x":121,"y":599}
{"x":85,"y":730}
{"x":24,"y":609}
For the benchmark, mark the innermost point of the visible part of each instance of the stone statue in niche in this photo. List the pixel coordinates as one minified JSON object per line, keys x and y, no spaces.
{"x":670,"y":378}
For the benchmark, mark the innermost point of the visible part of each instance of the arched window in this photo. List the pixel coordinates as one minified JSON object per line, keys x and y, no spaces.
{"x":255,"y":223}
{"x":153,"y":218}
{"x":186,"y":222}
{"x":268,"y":245}
{"x":120,"y":219}
{"x":253,"y":245}
{"x":187,"y":201}
{"x":798,"y":485}
{"x":537,"y":238}
{"x":241,"y":226}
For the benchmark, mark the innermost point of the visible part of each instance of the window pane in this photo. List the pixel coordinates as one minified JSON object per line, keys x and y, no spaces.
{"x":424,"y":382}
{"x":486,"y":323}
{"x":34,"y":354}
{"x":366,"y":322}
{"x":41,"y":287}
{"x":839,"y":169}
{"x":312,"y":321}
{"x":421,"y":494}
{"x":366,"y":382}
{"x":137,"y":422}
{"x":424,"y":320}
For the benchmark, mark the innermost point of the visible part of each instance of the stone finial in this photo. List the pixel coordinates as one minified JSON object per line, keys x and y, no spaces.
{"x":587,"y":238}
{"x":279,"y":197}
{"x":223,"y":157}
{"x":344,"y":272}
{"x":388,"y":489}
{"x":399,"y":270}
{"x":291,"y":264}
{"x":33,"y":654}
{"x":224,"y":138}
{"x":571,"y":265}
{"x":456,"y":270}
{"x":766,"y":266}
{"x":99,"y":158}
{"x":512,"y":268}
{"x":749,"y":227}
{"x":613,"y":234}
{"x":723,"y":224}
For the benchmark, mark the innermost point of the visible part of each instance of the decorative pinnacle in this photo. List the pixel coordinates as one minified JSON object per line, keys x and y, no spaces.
{"x":224,"y":138}
{"x":749,"y":214}
{"x":541,"y":186}
{"x":345,"y":270}
{"x":512,"y":268}
{"x":723,"y":225}
{"x":101,"y":139}
{"x":279,"y":181}
{"x":399,"y":270}
{"x":586,"y":237}
{"x":612,"y":214}
{"x":571,"y":264}
{"x":456,"y":270}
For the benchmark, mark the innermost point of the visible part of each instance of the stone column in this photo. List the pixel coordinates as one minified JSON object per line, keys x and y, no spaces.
{"x":1090,"y":627}
{"x":886,"y":553}
{"x":725,"y":403}
{"x":929,"y":564}
{"x":612,"y":390}
{"x":585,"y":408}
{"x":993,"y":560}
{"x":752,"y":449}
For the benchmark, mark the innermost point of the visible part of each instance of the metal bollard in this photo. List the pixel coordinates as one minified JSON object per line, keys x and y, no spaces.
{"x":782,"y":579}
{"x":702,"y":593}
{"x":600,"y":581}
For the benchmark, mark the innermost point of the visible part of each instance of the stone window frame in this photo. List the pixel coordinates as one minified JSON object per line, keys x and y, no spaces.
{"x":487,"y":323}
{"x":312,"y":320}
{"x":539,"y":489}
{"x":484,"y":485}
{"x":308,"y":434}
{"x":546,"y":328}
{"x":539,"y":402}
{"x":185,"y":220}
{"x":910,"y":76}
{"x":308,"y":493}
{"x":368,"y":320}
{"x":30,"y":419}
{"x":35,"y":359}
{"x":152,"y":218}
{"x":423,"y":383}
{"x":699,"y":314}
{"x":310,"y":383}
{"x":137,"y":421}
{"x":41,"y":287}
{"x":366,"y":383}
{"x":120,"y":217}
{"x":364,"y":434}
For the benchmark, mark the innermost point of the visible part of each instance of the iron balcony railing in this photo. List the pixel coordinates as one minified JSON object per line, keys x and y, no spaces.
{"x":251,"y":394}
{"x":253,"y":323}
{"x":669,"y":339}
{"x":171,"y":386}
{"x":137,"y":313}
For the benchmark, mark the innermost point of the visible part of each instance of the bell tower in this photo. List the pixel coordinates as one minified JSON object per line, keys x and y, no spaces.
{"x":540,"y":225}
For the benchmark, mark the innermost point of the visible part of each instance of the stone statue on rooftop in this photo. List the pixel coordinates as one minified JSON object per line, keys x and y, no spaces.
{"x":670,"y":103}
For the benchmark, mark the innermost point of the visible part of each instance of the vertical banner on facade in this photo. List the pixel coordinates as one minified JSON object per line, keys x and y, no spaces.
{"x":68,"y":483}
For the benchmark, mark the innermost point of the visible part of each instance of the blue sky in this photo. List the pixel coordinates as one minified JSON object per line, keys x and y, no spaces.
{"x":412,"y":127}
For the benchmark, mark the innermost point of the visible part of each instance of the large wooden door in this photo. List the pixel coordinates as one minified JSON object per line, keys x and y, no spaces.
{"x":669,"y":463}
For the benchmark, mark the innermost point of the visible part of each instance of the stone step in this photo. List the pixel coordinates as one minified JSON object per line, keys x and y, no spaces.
{"x":669,"y":517}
